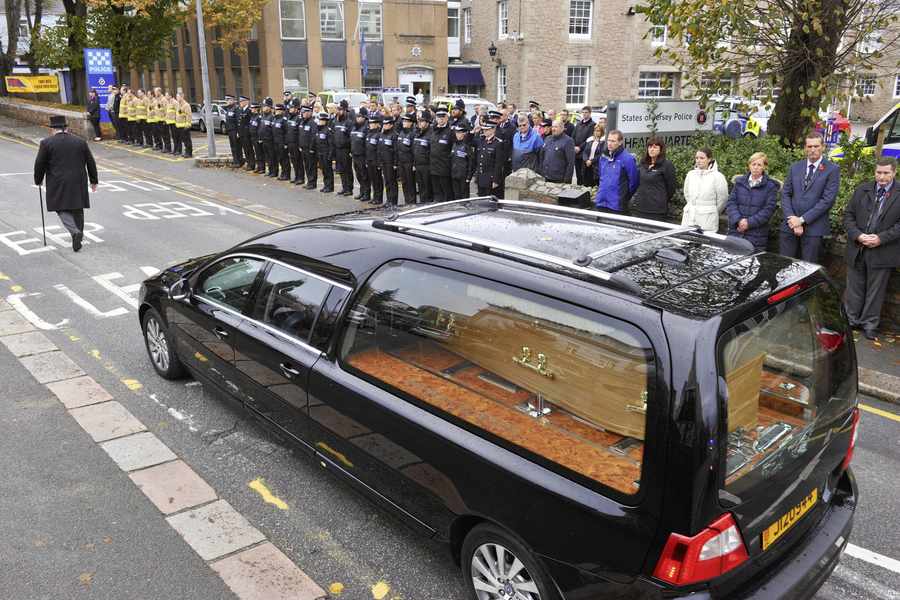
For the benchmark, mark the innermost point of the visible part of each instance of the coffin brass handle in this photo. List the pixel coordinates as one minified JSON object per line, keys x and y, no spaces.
{"x":540,"y":367}
{"x":638,"y":408}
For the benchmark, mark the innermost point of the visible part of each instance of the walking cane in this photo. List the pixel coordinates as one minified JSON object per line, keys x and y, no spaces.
{"x":43,"y":226}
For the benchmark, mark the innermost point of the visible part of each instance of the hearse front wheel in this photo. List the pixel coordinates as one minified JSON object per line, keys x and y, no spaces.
{"x":496,"y":566}
{"x":160,"y":347}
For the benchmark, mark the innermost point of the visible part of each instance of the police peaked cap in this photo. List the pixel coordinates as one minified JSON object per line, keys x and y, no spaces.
{"x":295,"y":103}
{"x":495,"y":114}
{"x":488,"y":125}
{"x":410,"y":100}
{"x":408,"y":117}
{"x":376,"y":118}
{"x":254,"y":105}
{"x":244,"y":98}
{"x":323,"y":116}
{"x":229,"y":97}
{"x":547,"y":122}
{"x":461,"y":126}
{"x":534,"y":104}
{"x":387,"y":120}
{"x":268,"y":101}
{"x":279,"y":107}
{"x":306,"y":108}
{"x":441,"y":111}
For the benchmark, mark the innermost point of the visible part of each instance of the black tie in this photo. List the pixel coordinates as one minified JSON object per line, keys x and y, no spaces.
{"x":809,"y":176}
{"x":876,"y":210}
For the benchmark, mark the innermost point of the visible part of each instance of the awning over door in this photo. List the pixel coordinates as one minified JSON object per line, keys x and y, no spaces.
{"x":465,"y":76}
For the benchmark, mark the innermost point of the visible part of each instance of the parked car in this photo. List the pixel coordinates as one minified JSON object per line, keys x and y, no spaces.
{"x":580,"y":405}
{"x":470,"y":100}
{"x":198,"y":119}
{"x":890,"y":123}
{"x":736,"y":117}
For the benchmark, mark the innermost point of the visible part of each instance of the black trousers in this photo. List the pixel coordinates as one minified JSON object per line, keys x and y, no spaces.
{"x":234,"y":140}
{"x":248,"y":147}
{"x":408,"y":180}
{"x":296,"y":161}
{"x":271,"y":157}
{"x":441,"y":188}
{"x":311,"y":164}
{"x":392,"y":192}
{"x":284,"y":161}
{"x":362,"y":176}
{"x":342,"y":165}
{"x":376,"y":181}
{"x":579,"y":171}
{"x":460,"y":189}
{"x":186,"y":141}
{"x":327,"y":172}
{"x":164,"y":129}
{"x":423,"y":183}
{"x":114,"y":121}
{"x":72,"y":220}
{"x":260,"y":157}
{"x":157,"y":135}
{"x":866,"y":288}
{"x":805,"y":247}
{"x":176,"y":141}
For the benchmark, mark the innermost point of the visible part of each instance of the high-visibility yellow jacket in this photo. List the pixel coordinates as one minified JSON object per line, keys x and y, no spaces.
{"x":140,"y":109}
{"x":171,"y":111}
{"x":151,"y":110}
{"x":183,"y":115}
{"x":124,"y":107}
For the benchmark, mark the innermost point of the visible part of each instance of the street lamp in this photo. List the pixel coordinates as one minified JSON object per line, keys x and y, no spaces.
{"x":492,"y":50}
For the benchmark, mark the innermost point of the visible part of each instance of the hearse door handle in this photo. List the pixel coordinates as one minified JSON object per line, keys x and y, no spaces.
{"x":288,"y":371}
{"x":221,"y":333}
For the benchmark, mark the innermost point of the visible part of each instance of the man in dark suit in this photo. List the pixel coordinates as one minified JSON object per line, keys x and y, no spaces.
{"x":872,"y":221}
{"x":807,"y":197}
{"x":67,"y":162}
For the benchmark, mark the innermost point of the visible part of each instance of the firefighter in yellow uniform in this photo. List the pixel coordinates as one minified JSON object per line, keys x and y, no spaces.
{"x":140,"y":115}
{"x":153,"y":119}
{"x":125,"y":115}
{"x":183,"y":124}
{"x":171,"y":108}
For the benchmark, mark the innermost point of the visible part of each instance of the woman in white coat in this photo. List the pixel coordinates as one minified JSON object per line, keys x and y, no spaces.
{"x":705,"y":193}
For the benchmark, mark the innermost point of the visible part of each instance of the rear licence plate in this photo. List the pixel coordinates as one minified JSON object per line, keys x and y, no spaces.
{"x":781,"y":526}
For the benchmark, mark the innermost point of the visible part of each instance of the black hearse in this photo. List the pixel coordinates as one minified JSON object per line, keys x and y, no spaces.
{"x":583,"y":405}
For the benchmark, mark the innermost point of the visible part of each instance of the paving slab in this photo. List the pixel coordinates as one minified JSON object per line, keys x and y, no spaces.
{"x":4,"y":305}
{"x":265,"y":573}
{"x":106,"y":421}
{"x":173,"y":486}
{"x":12,"y":322}
{"x":25,"y":344}
{"x":138,"y":451}
{"x":215,"y":530}
{"x":51,"y":366}
{"x":80,"y":391}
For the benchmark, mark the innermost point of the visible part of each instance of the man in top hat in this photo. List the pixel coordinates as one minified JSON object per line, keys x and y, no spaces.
{"x":68,"y":164}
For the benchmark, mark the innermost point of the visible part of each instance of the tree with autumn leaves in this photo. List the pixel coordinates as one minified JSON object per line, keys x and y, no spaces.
{"x":137,"y":31}
{"x":812,"y":51}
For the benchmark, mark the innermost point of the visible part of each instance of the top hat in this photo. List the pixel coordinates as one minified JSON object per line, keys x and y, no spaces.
{"x":58,"y":122}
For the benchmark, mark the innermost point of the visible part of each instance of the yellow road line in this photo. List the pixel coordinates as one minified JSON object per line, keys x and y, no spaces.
{"x":24,"y":143}
{"x":260,"y":488}
{"x":880,"y":413}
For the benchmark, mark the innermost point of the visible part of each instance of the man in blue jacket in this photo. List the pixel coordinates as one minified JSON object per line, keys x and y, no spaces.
{"x":617,"y":174}
{"x":807,"y":197}
{"x":558,"y":155}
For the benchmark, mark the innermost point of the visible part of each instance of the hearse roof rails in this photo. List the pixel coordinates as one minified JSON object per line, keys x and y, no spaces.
{"x":524,"y":254}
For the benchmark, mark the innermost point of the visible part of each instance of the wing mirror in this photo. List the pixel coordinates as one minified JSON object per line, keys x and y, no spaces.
{"x":180,"y":290}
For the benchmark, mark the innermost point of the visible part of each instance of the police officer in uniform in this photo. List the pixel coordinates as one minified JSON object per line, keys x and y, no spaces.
{"x":292,"y":140}
{"x":343,"y":125}
{"x":325,"y":152}
{"x":422,"y":157}
{"x":441,"y":145}
{"x":308,"y":130}
{"x":232,"y":124}
{"x":458,"y":113}
{"x":462,"y":161}
{"x":490,"y":165}
{"x":358,"y":151}
{"x":279,"y":129}
{"x":387,"y":159}
{"x":260,"y":147}
{"x":267,"y":137}
{"x":410,"y":107}
{"x":247,"y":150}
{"x":375,"y":179}
{"x":405,"y":159}
{"x":255,"y":156}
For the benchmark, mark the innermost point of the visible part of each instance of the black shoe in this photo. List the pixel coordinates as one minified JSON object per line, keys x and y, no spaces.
{"x":870,"y":334}
{"x":326,"y":190}
{"x":272,"y":175}
{"x":376,"y":202}
{"x":358,"y":197}
{"x":284,"y":179}
{"x":309,"y":186}
{"x":76,"y":241}
{"x":347,"y":193}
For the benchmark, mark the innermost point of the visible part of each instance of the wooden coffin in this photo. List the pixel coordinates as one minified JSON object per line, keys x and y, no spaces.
{"x":744,"y":384}
{"x":592,"y":376}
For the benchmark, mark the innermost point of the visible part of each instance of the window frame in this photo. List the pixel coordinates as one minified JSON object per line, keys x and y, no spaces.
{"x":338,"y":4}
{"x":457,"y":18}
{"x":467,"y":25}
{"x":367,"y":4}
{"x":260,"y":321}
{"x":505,"y":79}
{"x":284,"y":78}
{"x":201,"y":276}
{"x":502,"y":19}
{"x":281,"y":19}
{"x":367,"y":90}
{"x":587,"y":86}
{"x":865,"y":82}
{"x":590,"y":20}
{"x":662,"y":75}
{"x":655,"y":40}
{"x":343,"y":71}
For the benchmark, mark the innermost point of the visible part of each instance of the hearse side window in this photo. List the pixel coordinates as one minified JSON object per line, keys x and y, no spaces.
{"x":289,"y":300}
{"x":787,"y":377}
{"x":229,"y":281}
{"x":562,"y":383}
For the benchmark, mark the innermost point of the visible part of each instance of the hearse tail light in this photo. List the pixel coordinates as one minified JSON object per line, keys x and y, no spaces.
{"x":854,"y":433}
{"x":714,"y":551}
{"x":785,"y":293}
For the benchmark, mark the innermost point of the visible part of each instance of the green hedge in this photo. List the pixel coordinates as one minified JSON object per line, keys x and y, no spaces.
{"x":731,"y":157}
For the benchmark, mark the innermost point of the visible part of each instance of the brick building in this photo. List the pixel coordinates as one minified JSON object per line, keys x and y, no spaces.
{"x":303,"y":45}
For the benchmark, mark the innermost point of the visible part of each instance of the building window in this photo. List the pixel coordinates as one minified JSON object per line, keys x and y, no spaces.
{"x":658,"y":35}
{"x":220,"y":81}
{"x":717,"y":85}
{"x":453,"y":22}
{"x":293,"y":19}
{"x":254,"y":31}
{"x":580,"y":18}
{"x":373,"y":80}
{"x":331,"y":19}
{"x":865,"y":86}
{"x":256,"y":83}
{"x":897,"y":86}
{"x":501,"y":84}
{"x":654,"y":84}
{"x":333,"y":78}
{"x":296,"y":79}
{"x":766,"y":88}
{"x":577,"y":85}
{"x":467,"y":25}
{"x":370,"y":20}
{"x":238,"y":81}
{"x":178,"y":82}
{"x":503,"y":19}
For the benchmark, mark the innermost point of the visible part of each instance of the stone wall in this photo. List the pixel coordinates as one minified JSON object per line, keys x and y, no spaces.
{"x":525,"y":184}
{"x":40,"y":115}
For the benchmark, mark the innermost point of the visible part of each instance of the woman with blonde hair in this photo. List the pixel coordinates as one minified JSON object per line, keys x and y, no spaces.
{"x":593,"y":150}
{"x":752,"y":203}
{"x":705,"y":192}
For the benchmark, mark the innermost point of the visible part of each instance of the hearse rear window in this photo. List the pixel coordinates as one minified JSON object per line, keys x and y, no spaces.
{"x":558,"y":381}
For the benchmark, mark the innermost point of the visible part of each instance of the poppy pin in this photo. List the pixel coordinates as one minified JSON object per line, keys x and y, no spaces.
{"x":821,"y":167}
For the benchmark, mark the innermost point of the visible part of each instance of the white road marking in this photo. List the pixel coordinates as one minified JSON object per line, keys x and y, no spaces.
{"x":19,"y":245}
{"x":150,"y":271}
{"x":15,"y":300}
{"x":148,"y":211}
{"x":13,"y":174}
{"x":55,"y":233}
{"x":126,"y":292}
{"x":90,"y":308}
{"x":880,"y":560}
{"x":865,"y":584}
